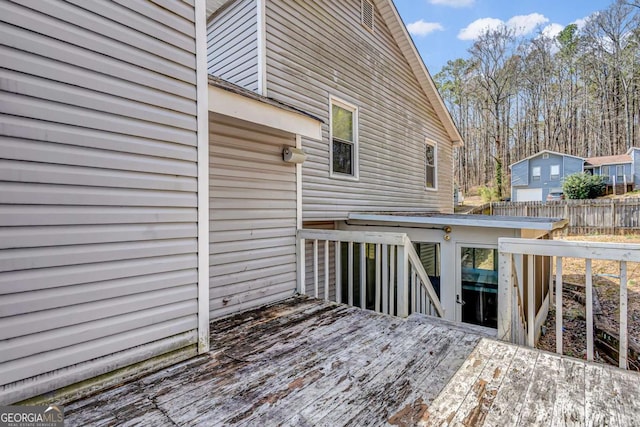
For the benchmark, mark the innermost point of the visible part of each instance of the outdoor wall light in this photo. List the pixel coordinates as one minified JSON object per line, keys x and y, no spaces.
{"x":293,"y":155}
{"x":446,"y":229}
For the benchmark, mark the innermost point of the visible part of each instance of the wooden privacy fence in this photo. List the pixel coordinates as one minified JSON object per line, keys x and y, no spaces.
{"x":606,"y":216}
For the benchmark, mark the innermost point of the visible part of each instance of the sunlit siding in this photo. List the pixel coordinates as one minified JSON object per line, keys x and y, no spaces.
{"x":320,"y":49}
{"x":98,"y":177}
{"x":232,"y":44}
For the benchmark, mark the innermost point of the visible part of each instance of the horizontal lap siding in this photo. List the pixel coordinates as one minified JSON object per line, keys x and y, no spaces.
{"x":98,"y":177}
{"x":252,"y":217}
{"x":232,"y":40}
{"x":317,"y":49}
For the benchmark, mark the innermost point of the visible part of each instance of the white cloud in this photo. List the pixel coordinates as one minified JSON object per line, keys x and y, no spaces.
{"x":478,"y":27}
{"x":580,"y":23}
{"x":520,"y":24}
{"x":453,"y":3}
{"x":552,"y":30}
{"x":525,"y":24}
{"x":421,"y":28}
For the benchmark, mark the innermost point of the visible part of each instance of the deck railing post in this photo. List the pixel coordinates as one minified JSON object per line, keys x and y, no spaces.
{"x":403,"y":282}
{"x":301,"y":265}
{"x":505,"y":290}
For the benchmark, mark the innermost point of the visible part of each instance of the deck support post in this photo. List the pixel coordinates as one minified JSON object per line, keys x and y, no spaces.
{"x":505,"y":263}
{"x":403,"y":282}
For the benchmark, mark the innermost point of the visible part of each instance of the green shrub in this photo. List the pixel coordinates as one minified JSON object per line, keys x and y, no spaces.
{"x":584,"y":186}
{"x":488,"y":194}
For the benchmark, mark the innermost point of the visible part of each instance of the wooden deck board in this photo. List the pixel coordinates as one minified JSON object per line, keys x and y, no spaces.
{"x":307,"y":362}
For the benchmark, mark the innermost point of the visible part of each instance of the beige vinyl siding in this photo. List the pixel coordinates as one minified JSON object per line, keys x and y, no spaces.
{"x":320,"y":49}
{"x":232,"y":41}
{"x":252,"y":216}
{"x":98,"y":181}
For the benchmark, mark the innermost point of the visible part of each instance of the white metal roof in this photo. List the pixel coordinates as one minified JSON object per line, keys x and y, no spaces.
{"x":491,"y":221}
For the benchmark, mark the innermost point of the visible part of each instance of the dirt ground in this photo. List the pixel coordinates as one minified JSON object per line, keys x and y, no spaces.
{"x":606,"y":285}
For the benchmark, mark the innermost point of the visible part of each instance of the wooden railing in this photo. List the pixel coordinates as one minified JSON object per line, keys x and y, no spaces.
{"x":400,"y":285}
{"x":511,"y":321}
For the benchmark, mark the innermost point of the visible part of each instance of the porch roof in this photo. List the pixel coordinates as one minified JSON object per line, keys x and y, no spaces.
{"x":440,"y":219}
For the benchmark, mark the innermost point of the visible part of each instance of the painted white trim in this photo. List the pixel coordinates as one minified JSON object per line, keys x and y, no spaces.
{"x":299,"y":186}
{"x":203,"y":174}
{"x":546,"y":151}
{"x":463,"y":220}
{"x":261,"y":17}
{"x":434,"y":144}
{"x":356,"y":148}
{"x":254,"y":111}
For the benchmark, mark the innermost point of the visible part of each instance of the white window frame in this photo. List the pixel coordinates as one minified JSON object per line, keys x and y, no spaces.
{"x":435,"y":165}
{"x":534,"y":176}
{"x":555,"y":176}
{"x":619,"y":175}
{"x":356,"y":149}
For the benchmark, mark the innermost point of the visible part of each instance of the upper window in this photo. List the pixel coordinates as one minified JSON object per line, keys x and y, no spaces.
{"x":535,"y":173}
{"x":555,"y":171}
{"x":604,"y":171}
{"x":431,"y":157}
{"x":344,"y":139}
{"x":620,"y":172}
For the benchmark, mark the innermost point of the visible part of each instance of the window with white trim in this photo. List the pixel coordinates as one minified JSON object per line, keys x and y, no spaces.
{"x":620,"y":173}
{"x":430,"y":160}
{"x":535,"y":173}
{"x":555,"y":171}
{"x":344,"y":139}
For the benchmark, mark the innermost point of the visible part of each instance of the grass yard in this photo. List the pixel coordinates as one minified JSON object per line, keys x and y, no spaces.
{"x":606,"y":285}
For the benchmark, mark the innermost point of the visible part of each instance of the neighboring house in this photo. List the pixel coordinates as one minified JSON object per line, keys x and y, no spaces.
{"x":621,"y":170}
{"x":140,"y":198}
{"x":533,"y":178}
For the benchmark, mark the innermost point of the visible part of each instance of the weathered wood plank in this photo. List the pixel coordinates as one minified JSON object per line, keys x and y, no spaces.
{"x":569,"y":403}
{"x":510,"y":399}
{"x":600,"y":409}
{"x":445,"y":406}
{"x":476,"y":404}
{"x":541,"y":394}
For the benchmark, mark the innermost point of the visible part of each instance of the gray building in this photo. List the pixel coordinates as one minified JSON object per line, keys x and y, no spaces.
{"x":533,"y":178}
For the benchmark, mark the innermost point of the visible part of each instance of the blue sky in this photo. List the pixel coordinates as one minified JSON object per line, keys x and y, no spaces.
{"x":445,"y":29}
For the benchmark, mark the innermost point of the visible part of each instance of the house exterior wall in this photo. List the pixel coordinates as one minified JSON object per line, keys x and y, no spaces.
{"x":252,"y":216}
{"x":522,"y":173}
{"x":612,"y":173}
{"x":319,"y":49}
{"x":635,"y":156}
{"x":98,"y":190}
{"x":232,"y":40}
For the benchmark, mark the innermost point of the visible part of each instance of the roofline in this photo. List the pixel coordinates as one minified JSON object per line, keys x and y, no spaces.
{"x":399,"y":31}
{"x":471,"y":221}
{"x":609,"y":164}
{"x":546,"y":151}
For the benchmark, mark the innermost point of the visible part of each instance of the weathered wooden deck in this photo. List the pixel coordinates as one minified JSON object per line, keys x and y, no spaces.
{"x":305,"y":362}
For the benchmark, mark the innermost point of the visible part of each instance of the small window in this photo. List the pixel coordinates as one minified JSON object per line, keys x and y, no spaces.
{"x":555,"y":171}
{"x":431,"y":157}
{"x":545,"y":156}
{"x":367,"y":14}
{"x":535,"y":173}
{"x":620,"y":173}
{"x":344,"y":139}
{"x":604,"y":171}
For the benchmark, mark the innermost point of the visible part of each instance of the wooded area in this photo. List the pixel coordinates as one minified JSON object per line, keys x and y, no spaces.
{"x":576,"y":93}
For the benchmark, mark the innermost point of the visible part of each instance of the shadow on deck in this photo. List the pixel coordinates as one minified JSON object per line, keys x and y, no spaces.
{"x":308,"y":362}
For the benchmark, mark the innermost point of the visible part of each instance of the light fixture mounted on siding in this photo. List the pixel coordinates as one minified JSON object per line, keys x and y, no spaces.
{"x":293,"y":155}
{"x":367,"y":14}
